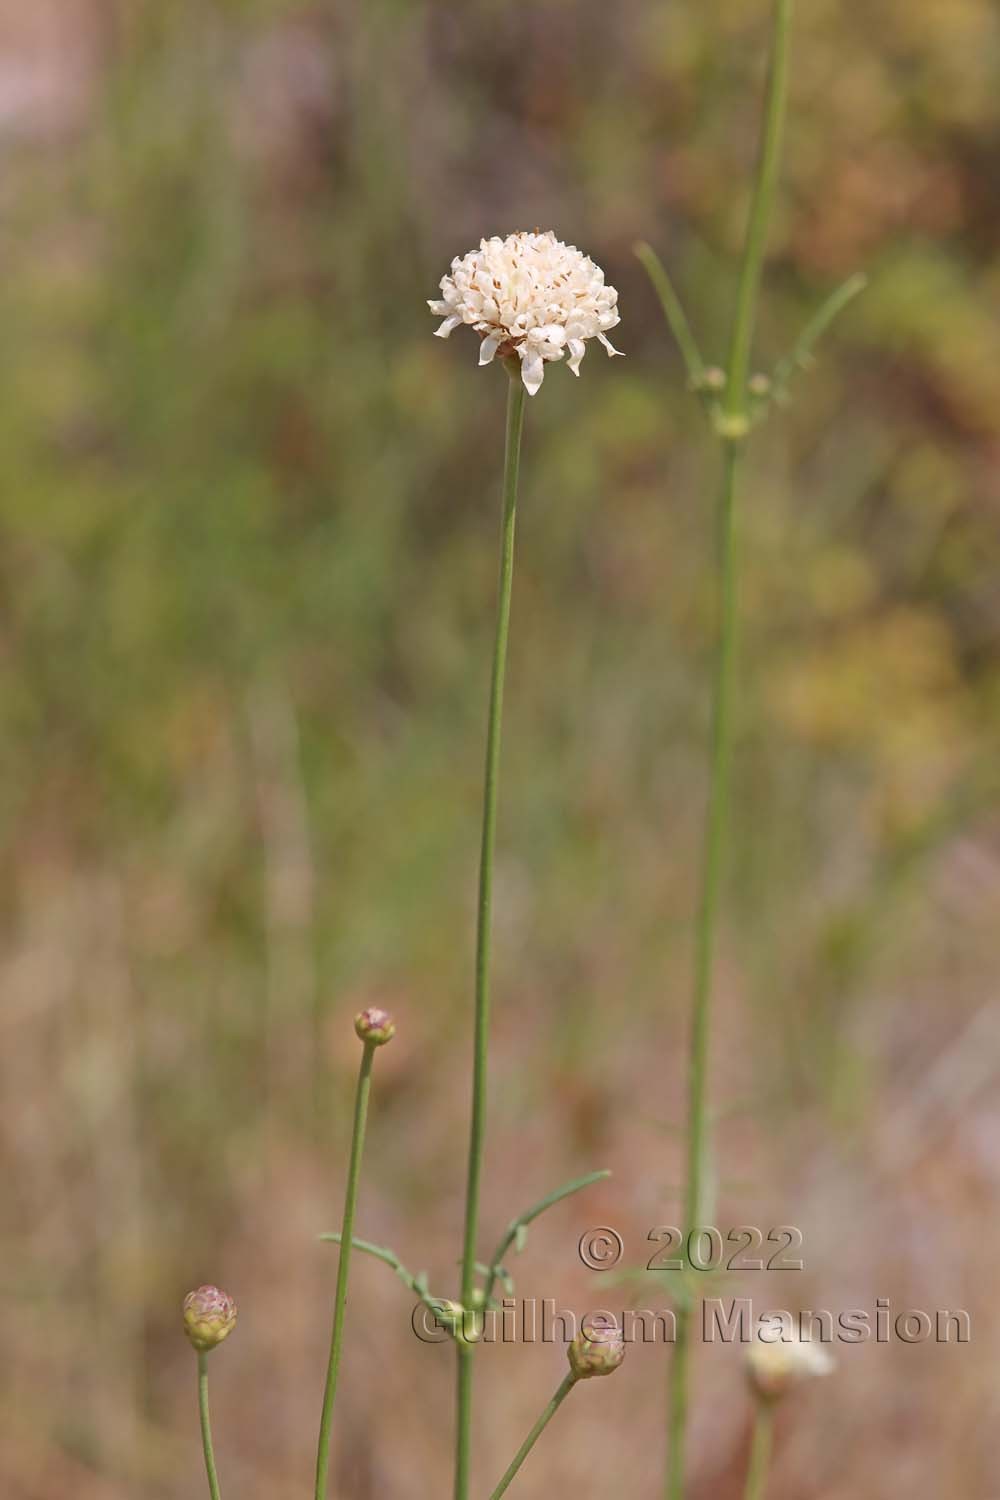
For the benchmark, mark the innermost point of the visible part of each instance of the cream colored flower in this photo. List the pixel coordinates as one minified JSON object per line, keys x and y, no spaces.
{"x":774,"y":1368}
{"x":532,"y":296}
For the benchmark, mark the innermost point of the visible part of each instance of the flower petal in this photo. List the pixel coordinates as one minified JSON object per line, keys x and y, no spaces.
{"x":577,"y":349}
{"x":550,"y":333}
{"x":609,"y":346}
{"x":439,"y":307}
{"x":532,"y":371}
{"x":446,"y":328}
{"x":488,"y":348}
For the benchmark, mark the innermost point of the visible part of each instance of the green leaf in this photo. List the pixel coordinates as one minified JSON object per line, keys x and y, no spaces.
{"x":415,"y":1284}
{"x":380,"y":1252}
{"x":801,"y":356}
{"x":673,"y":311}
{"x":515,"y":1233}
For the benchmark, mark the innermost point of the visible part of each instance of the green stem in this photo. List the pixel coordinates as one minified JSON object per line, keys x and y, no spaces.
{"x":543,"y":1421}
{"x":761,"y":205}
{"x":206,"y":1426}
{"x":715,"y":837}
{"x":463,"y":1407}
{"x":346,"y":1245}
{"x":760,"y":1453}
{"x":732,"y":435}
{"x":718,"y":805}
{"x":477,"y":1129}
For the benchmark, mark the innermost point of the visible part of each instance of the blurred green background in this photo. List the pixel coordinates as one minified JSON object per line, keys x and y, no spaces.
{"x":249,"y":510}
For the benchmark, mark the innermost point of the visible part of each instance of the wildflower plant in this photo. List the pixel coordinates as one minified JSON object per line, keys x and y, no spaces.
{"x":736,"y":401}
{"x":774,"y":1369}
{"x":534,"y":301}
{"x":374,"y":1028}
{"x":209,"y":1318}
{"x":596,"y":1350}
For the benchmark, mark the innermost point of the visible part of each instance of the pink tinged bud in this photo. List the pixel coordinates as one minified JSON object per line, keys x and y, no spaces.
{"x":375,"y":1025}
{"x":209,"y":1317}
{"x":596,"y":1351}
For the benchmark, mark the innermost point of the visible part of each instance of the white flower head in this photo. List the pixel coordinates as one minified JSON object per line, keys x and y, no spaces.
{"x":532,"y":296}
{"x":776,"y":1367}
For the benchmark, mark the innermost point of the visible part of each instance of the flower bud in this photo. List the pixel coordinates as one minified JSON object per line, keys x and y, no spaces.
{"x":775,"y":1369}
{"x":465,"y":1326}
{"x":712,"y":379}
{"x":449,"y":1313}
{"x":209,"y":1317}
{"x":732,"y":427}
{"x":375,"y":1025}
{"x":596,"y":1351}
{"x":759,"y":386}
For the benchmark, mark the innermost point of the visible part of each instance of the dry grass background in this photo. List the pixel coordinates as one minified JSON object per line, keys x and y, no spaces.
{"x":248,"y":518}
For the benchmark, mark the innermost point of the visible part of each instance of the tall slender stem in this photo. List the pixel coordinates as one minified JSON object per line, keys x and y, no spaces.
{"x":715,"y":829}
{"x":346,"y":1245}
{"x":477,"y":1129}
{"x":761,"y":204}
{"x":463,"y":1417}
{"x":543,"y":1421}
{"x":760,"y":1452}
{"x":717,"y":818}
{"x":206,"y":1426}
{"x":732,"y":433}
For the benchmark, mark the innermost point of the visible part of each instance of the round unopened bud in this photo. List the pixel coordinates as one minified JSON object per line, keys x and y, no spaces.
{"x":759,"y":386}
{"x":375,"y":1025}
{"x":775,"y":1369}
{"x":732,"y":427}
{"x":447,"y":1312}
{"x":209,"y":1316}
{"x":596,"y":1351}
{"x":465,"y":1326}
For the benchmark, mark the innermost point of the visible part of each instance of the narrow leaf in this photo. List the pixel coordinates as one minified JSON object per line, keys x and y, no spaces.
{"x":673,"y":311}
{"x":515,"y":1231}
{"x":800,"y":357}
